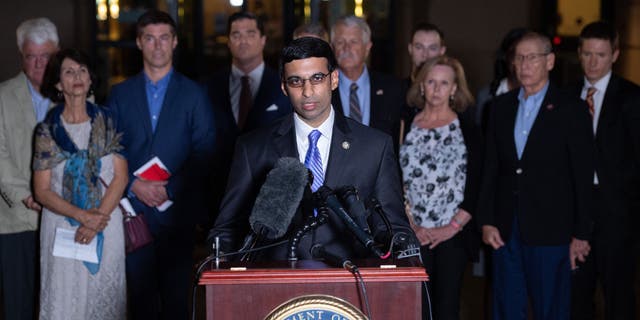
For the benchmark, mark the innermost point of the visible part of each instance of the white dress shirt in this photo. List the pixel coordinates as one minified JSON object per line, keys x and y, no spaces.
{"x":324,"y":142}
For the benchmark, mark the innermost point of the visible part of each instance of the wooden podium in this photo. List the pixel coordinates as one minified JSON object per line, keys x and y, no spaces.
{"x":251,"y":291}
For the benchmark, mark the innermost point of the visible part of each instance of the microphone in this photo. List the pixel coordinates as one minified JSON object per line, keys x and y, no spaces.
{"x":326,"y":195}
{"x":355,"y":207}
{"x":318,"y":251}
{"x":277,"y":202}
{"x":279,"y":198}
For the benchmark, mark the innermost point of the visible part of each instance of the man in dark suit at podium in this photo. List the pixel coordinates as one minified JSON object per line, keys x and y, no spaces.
{"x":345,"y":152}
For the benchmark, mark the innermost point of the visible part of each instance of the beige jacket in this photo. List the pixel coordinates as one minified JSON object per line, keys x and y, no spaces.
{"x":17,"y":124}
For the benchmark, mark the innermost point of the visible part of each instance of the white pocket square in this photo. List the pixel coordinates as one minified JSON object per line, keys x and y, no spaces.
{"x":272,"y":107}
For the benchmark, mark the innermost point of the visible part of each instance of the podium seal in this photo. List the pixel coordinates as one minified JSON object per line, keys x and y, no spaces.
{"x":317,"y":307}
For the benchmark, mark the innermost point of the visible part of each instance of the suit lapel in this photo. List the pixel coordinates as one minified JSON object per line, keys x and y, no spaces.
{"x":23,"y":96}
{"x":377,"y":102}
{"x":142,"y":106}
{"x":168,"y":105}
{"x":341,"y":139}
{"x":511,"y":112}
{"x":610,"y":107}
{"x":537,"y":129}
{"x":285,"y":139}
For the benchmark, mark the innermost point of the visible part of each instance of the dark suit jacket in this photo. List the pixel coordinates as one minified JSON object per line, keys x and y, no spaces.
{"x":269,"y":96}
{"x":368,"y":164}
{"x":549,"y":188}
{"x":617,"y":152}
{"x":387,"y":99}
{"x":183,"y":140}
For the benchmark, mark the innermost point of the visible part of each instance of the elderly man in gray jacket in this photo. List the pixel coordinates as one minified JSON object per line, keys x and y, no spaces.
{"x":21,"y":108}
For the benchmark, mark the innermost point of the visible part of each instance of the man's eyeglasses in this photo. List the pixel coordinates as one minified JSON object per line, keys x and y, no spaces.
{"x":533,"y":57}
{"x":297,"y":82}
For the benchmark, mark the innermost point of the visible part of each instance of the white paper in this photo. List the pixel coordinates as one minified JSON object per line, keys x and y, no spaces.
{"x":148,"y":164}
{"x":64,"y":246}
{"x":164,"y":206}
{"x":128,"y":208}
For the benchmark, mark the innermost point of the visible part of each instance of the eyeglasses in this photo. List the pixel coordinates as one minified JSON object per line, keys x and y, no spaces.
{"x":297,"y":82}
{"x":533,"y":57}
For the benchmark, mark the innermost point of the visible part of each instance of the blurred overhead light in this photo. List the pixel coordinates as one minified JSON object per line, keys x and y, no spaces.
{"x":236,"y":3}
{"x":114,"y":9}
{"x":101,"y":7}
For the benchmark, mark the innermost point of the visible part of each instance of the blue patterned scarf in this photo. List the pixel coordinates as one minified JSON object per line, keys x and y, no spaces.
{"x":81,"y":176}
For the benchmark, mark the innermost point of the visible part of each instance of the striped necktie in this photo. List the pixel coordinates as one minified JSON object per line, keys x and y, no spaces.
{"x":354,"y":103}
{"x":590,"y":92}
{"x":313,"y":161}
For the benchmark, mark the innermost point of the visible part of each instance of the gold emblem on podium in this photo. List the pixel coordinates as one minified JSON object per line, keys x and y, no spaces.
{"x":316,"y":307}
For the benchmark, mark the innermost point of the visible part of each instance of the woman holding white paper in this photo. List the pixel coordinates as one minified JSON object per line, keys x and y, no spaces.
{"x":77,"y":153}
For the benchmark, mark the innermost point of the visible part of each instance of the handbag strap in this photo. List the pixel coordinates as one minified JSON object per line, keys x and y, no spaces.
{"x":122,"y":209}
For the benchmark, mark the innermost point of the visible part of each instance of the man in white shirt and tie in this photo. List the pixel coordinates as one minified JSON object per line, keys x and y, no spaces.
{"x":339,"y":152}
{"x":614,"y":104}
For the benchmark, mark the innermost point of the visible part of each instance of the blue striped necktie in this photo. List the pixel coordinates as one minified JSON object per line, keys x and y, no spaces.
{"x":354,"y":103}
{"x":313,"y":161}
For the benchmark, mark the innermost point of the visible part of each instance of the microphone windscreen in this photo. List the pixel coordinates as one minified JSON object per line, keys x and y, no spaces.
{"x":279,"y":198}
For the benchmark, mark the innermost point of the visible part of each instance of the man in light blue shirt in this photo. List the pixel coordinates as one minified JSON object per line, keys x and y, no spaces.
{"x":371,"y":98}
{"x":21,"y":108}
{"x":535,"y":199}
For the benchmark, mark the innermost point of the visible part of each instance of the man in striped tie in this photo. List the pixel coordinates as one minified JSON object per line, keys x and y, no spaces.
{"x":614,"y":104}
{"x":369,"y":97}
{"x":338,"y":151}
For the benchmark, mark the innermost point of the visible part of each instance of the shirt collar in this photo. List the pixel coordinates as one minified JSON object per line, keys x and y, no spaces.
{"x":254,"y":74}
{"x":600,"y":85}
{"x":303,"y":129}
{"x":535,"y":98}
{"x":162,"y":83}
{"x":361,"y":81}
{"x":35,"y":95}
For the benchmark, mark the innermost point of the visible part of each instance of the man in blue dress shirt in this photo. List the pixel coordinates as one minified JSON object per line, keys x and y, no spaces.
{"x":163,"y":114}
{"x":535,"y":198}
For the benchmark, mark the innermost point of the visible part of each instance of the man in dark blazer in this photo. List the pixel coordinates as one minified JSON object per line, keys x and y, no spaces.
{"x":263,"y":96}
{"x":163,"y":114}
{"x":615,"y":104}
{"x":379,"y":97}
{"x":350,"y":153}
{"x":534,"y":205}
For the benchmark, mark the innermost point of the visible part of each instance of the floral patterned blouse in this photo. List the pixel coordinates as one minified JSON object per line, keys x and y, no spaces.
{"x":434,"y":172}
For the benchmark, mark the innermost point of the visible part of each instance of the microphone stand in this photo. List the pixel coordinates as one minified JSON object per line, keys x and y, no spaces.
{"x":311,"y":224}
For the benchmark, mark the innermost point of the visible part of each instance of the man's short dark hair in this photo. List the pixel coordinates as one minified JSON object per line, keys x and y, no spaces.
{"x":428,"y":27}
{"x":601,"y":30}
{"x":52,"y":73}
{"x":307,"y":47}
{"x":154,"y":17}
{"x":245,"y":15}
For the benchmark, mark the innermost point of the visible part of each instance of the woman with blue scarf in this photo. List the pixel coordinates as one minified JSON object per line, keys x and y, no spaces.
{"x":79,"y":178}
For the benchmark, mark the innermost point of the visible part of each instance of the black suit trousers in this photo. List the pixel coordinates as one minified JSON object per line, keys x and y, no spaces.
{"x":611,"y":261}
{"x":18,"y":269}
{"x":445,"y":266}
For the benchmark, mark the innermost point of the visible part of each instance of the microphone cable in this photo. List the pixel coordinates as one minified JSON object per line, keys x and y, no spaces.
{"x":212,"y":257}
{"x":426,"y":289}
{"x":363,"y":290}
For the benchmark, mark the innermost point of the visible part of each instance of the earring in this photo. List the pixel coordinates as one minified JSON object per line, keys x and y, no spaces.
{"x":422,"y":92}
{"x":451,"y":99}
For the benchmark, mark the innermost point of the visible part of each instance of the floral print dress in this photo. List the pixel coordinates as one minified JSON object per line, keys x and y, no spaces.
{"x":434,"y":169}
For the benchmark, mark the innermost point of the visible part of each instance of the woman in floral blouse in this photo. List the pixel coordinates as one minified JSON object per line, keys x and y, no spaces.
{"x":440,"y":169}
